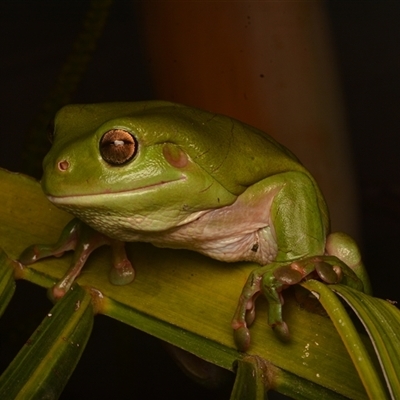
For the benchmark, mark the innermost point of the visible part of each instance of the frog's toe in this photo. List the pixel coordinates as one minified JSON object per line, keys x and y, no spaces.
{"x":241,"y":337}
{"x":122,"y":274}
{"x":288,"y":274}
{"x":328,"y":273}
{"x":29,"y":255}
{"x":281,"y":329}
{"x":56,"y":292}
{"x":250,"y":315}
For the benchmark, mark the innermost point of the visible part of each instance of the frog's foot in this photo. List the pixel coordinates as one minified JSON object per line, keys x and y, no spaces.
{"x":83,"y":240}
{"x":271,"y":280}
{"x":245,"y":311}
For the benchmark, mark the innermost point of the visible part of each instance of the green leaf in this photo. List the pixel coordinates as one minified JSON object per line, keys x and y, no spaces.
{"x":7,"y":283}
{"x":351,"y":338}
{"x":382,"y":323}
{"x":296,"y":388}
{"x":43,"y":366}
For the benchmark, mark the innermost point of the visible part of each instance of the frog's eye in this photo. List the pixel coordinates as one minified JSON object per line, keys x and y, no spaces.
{"x":118,"y":146}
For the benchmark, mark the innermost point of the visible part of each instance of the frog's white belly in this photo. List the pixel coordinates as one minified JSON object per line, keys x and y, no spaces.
{"x":214,"y":235}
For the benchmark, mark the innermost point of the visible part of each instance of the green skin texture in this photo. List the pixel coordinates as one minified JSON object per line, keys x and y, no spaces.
{"x":192,"y":170}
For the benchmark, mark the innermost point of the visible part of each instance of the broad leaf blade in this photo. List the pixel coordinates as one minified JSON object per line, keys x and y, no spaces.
{"x":382,"y":323}
{"x":43,"y":366}
{"x":351,"y":338}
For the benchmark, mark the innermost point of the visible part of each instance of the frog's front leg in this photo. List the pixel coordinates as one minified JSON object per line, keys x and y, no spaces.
{"x":83,"y":240}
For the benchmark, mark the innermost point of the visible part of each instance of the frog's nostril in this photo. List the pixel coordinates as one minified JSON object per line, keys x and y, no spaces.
{"x":63,"y":165}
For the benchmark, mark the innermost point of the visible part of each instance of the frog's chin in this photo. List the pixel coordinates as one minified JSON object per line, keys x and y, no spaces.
{"x":92,"y":198}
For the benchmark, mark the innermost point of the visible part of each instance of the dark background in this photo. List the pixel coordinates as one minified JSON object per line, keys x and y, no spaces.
{"x":36,"y":37}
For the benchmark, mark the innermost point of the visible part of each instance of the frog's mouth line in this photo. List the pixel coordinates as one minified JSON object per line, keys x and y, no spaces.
{"x":86,"y":198}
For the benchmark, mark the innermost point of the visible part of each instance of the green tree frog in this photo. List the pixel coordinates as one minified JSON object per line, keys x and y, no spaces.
{"x":183,"y":178}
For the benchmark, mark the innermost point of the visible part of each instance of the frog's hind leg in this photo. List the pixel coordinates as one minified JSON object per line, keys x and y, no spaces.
{"x":270,"y":281}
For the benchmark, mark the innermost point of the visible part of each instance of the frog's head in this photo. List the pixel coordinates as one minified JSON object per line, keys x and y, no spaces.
{"x":133,"y":158}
